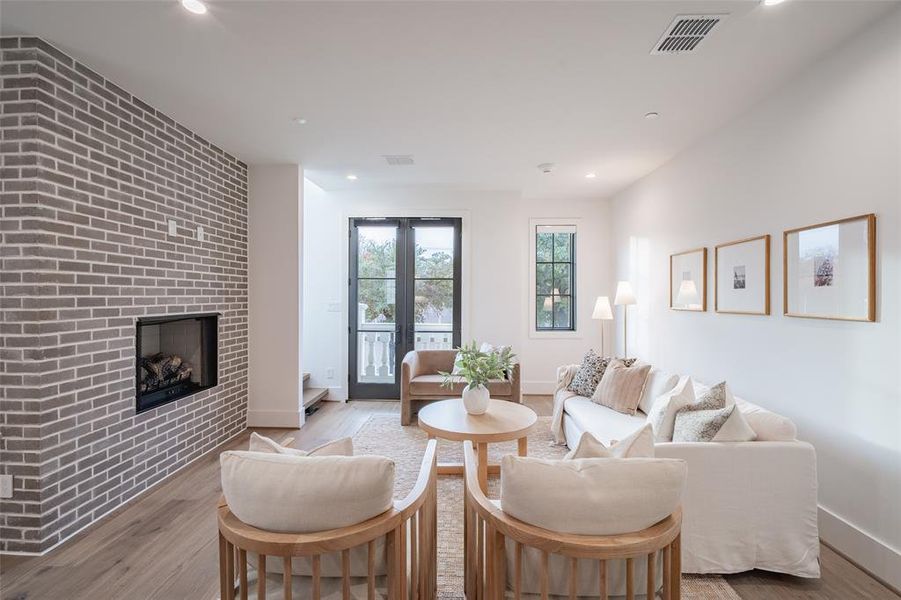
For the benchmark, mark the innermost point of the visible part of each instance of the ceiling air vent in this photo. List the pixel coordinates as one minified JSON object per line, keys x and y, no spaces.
{"x":398,"y":160}
{"x":685,"y":33}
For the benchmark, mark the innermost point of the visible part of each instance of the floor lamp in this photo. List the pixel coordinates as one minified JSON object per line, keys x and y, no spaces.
{"x":602,"y":312}
{"x":624,"y":297}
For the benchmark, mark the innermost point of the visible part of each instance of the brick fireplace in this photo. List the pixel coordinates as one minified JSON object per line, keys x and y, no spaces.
{"x":102,"y":197}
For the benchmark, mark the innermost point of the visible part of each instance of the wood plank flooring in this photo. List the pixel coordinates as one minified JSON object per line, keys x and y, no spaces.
{"x":162,"y":546}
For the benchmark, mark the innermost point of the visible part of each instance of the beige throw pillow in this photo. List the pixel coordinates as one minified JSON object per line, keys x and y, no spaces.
{"x":339,"y":447}
{"x":621,"y":387}
{"x":663,"y":414}
{"x":639,"y":444}
{"x":659,"y":382}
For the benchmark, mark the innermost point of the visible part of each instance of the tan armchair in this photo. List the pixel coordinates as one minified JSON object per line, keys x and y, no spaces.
{"x":420,"y":382}
{"x":392,"y":555}
{"x":503,"y":554}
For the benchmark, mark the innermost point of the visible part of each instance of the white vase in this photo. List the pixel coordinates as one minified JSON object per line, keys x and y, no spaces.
{"x":475,"y":400}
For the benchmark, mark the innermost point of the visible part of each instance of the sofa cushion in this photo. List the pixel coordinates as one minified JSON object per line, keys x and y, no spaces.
{"x":605,"y":424}
{"x":640,"y":444}
{"x":591,"y":496}
{"x":621,"y":386}
{"x":299,"y":494}
{"x":430,"y":385}
{"x":659,"y":382}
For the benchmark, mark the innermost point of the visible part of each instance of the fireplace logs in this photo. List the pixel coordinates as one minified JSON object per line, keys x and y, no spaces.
{"x":162,"y":370}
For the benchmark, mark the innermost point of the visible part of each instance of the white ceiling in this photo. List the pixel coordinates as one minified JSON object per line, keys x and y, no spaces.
{"x":480,"y":93}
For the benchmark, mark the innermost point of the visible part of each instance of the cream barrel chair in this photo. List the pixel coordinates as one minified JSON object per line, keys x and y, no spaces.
{"x":505,"y":556}
{"x":392,"y":555}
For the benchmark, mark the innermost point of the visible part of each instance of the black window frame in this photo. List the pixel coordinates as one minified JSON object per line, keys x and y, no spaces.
{"x":539,"y":298}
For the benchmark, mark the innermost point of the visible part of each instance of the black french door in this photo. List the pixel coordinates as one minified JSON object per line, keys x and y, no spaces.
{"x":404,"y":294}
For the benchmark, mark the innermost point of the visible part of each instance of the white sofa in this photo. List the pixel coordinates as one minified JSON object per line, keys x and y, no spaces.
{"x":747,"y":505}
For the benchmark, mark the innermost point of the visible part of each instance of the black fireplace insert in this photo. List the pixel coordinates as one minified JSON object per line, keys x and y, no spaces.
{"x":176,"y":356}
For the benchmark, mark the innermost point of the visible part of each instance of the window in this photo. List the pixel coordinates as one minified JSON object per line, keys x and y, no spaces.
{"x":555,"y":277}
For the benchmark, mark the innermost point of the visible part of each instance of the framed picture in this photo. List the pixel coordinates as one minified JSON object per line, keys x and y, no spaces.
{"x":741,"y":273}
{"x":688,"y":280}
{"x":829,"y":270}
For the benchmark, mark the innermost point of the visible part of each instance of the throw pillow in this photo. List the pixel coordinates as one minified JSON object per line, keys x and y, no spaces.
{"x":663,"y":413}
{"x":621,"y":386}
{"x":639,"y":444}
{"x":589,"y":374}
{"x":339,"y":447}
{"x":699,"y":424}
{"x":659,"y":382}
{"x":457,"y":365}
{"x":713,"y":418}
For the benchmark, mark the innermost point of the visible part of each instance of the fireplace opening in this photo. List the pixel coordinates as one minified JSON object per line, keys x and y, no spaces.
{"x":176,"y":356}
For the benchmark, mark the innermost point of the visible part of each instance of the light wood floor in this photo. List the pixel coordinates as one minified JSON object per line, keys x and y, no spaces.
{"x":163,"y":546}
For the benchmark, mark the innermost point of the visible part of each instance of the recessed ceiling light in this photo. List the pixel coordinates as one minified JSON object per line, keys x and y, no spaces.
{"x":299,"y":121}
{"x":590,"y":176}
{"x":772,"y":2}
{"x":352,"y":177}
{"x":651,"y":115}
{"x":195,"y":6}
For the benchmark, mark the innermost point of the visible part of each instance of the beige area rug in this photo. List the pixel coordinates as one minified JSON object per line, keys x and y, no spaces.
{"x":384,"y":435}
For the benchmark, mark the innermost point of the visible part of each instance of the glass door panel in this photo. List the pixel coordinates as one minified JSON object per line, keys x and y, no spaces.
{"x":374,"y":323}
{"x":404,"y":295}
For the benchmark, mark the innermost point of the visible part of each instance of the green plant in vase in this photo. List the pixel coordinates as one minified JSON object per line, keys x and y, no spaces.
{"x":477,"y":368}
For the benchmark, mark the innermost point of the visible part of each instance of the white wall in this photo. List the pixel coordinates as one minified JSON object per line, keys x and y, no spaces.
{"x":827,"y":146}
{"x":275,"y":238}
{"x":495,"y":273}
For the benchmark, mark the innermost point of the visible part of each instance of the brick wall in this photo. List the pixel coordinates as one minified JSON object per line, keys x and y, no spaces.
{"x":90,"y":176}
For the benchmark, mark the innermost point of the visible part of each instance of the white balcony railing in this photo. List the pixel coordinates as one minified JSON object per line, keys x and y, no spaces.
{"x":376,"y":347}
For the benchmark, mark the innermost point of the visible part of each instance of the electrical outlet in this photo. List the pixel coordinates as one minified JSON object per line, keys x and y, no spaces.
{"x":330,"y":374}
{"x":173,"y":227}
{"x":6,"y":486}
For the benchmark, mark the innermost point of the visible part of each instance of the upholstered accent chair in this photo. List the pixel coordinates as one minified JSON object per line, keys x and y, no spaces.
{"x":420,"y":382}
{"x":391,"y":555}
{"x":505,"y":557}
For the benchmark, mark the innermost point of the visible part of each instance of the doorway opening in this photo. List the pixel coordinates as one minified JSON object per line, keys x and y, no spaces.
{"x":404,"y":294}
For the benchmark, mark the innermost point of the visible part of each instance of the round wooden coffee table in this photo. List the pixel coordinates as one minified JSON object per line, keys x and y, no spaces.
{"x":504,"y":421}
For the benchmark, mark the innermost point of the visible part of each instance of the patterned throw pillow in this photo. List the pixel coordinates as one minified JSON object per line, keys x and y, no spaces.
{"x":589,"y":374}
{"x":702,"y":420}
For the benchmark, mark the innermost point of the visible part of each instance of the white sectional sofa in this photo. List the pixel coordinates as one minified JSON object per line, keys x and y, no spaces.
{"x":747,"y":505}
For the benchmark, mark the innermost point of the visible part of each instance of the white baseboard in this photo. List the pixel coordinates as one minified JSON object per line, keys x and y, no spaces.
{"x":287,"y":419}
{"x":862,"y":548}
{"x":538,"y":387}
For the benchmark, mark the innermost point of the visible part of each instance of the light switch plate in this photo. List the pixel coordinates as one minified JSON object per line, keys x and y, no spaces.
{"x":173,"y":227}
{"x":6,"y":486}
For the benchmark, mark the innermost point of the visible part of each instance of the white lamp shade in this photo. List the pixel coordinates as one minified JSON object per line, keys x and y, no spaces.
{"x":688,"y":293}
{"x":624,"y":294}
{"x":602,"y":310}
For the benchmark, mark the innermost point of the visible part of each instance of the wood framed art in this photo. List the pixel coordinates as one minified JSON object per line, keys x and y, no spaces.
{"x":741,"y":276}
{"x":829,"y":270}
{"x":688,"y":280}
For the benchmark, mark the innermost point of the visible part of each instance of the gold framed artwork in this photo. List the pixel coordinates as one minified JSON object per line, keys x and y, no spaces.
{"x":688,"y":280}
{"x":829,"y":270}
{"x":741,"y":271}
